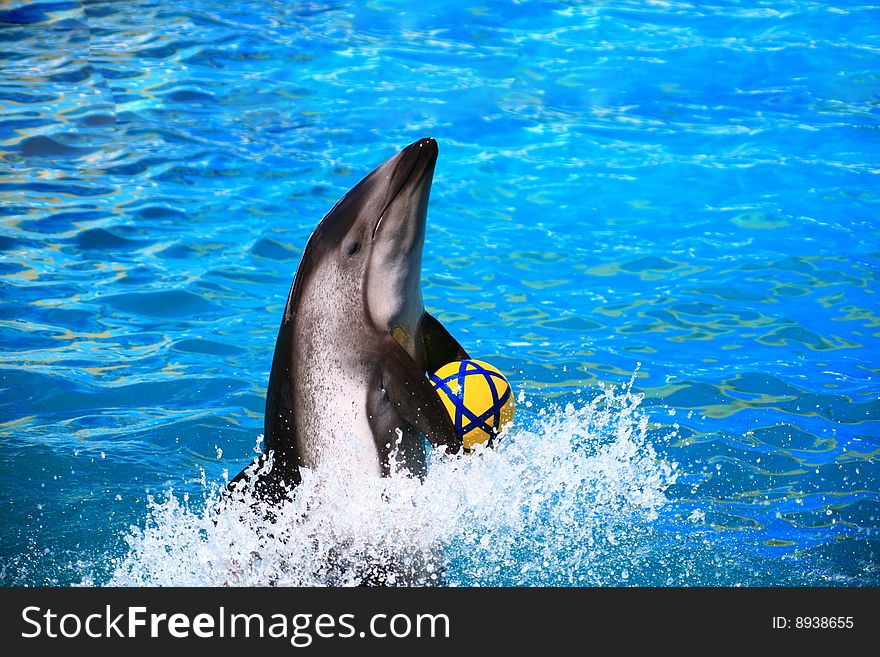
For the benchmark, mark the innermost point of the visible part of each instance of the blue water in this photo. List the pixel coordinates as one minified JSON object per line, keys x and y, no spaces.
{"x":680,"y":196}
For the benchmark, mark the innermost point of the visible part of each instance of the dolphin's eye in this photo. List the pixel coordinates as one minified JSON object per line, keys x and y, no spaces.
{"x":353,"y":247}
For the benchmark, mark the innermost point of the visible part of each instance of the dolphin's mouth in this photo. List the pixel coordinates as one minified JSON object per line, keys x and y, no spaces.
{"x":413,"y":159}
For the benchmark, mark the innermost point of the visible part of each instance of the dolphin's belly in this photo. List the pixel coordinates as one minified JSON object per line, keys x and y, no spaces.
{"x":332,"y":422}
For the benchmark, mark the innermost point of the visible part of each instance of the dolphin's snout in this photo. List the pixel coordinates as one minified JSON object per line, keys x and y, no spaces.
{"x":410,"y":172}
{"x":428,"y":143}
{"x":423,"y":149}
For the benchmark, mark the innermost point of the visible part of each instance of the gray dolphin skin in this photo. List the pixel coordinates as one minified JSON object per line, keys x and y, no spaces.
{"x":355,"y":340}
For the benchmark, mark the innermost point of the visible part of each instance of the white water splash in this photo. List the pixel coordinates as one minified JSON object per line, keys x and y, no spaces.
{"x":543,"y":508}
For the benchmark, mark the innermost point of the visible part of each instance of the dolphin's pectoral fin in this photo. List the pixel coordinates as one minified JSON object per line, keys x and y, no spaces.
{"x":440,"y":347}
{"x":402,"y":407}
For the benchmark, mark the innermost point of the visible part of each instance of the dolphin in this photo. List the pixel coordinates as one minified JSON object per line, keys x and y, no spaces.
{"x":356,"y":341}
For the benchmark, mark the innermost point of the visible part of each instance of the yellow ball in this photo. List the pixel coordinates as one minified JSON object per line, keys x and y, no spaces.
{"x":479,"y":400}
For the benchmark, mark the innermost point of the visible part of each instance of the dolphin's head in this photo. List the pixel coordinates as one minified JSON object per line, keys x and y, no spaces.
{"x":376,"y":232}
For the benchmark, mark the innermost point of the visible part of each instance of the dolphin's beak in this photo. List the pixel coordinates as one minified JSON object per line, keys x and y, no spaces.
{"x":394,"y":268}
{"x":412,"y":170}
